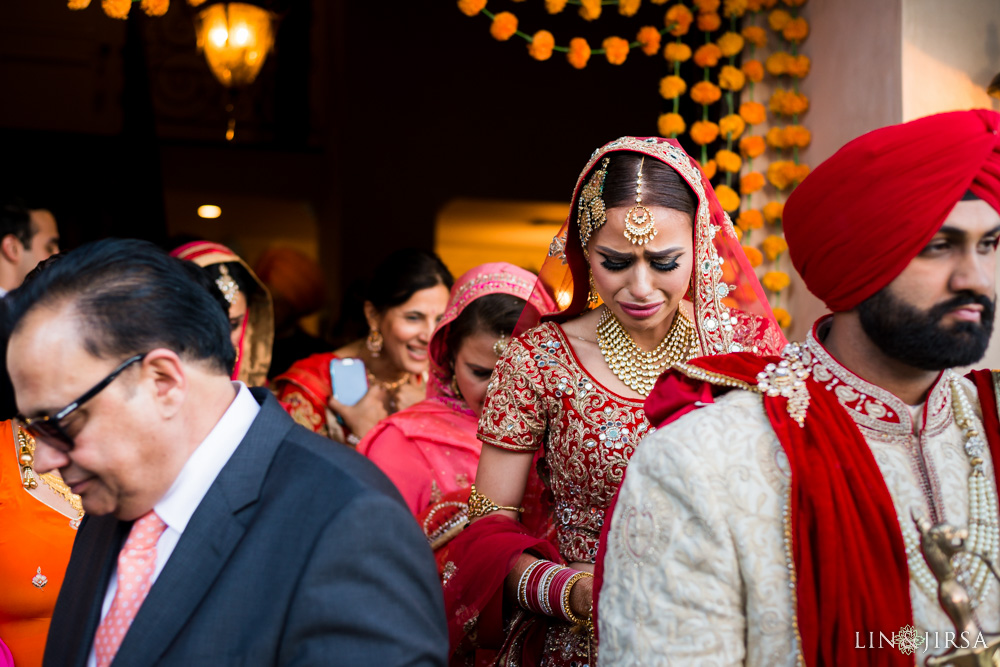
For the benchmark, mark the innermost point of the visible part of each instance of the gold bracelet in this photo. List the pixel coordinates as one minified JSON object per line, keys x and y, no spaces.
{"x":566,"y":591}
{"x":480,"y":505}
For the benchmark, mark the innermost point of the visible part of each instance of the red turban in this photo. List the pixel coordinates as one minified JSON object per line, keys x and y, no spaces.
{"x":858,"y":219}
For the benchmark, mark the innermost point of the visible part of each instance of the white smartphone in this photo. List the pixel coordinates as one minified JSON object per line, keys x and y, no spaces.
{"x":349,"y":380}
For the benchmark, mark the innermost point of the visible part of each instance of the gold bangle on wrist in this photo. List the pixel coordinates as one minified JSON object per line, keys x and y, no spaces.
{"x":480,"y":505}
{"x":566,"y":591}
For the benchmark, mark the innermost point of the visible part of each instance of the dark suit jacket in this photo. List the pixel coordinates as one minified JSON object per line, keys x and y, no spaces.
{"x":301,"y":553}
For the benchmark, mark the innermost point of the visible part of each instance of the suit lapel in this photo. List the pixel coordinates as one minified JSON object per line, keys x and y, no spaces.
{"x":95,"y":550}
{"x":214,"y":531}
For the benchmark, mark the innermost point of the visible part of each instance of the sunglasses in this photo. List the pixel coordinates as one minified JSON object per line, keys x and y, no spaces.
{"x":49,"y":427}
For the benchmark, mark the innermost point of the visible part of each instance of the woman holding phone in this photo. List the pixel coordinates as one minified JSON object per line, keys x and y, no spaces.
{"x":403,"y":303}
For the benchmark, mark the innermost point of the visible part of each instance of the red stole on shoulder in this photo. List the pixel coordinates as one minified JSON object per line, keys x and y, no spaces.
{"x":850,"y":572}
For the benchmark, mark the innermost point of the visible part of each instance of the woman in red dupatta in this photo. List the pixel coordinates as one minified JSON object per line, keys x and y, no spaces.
{"x":646,"y":236}
{"x":430,"y":449}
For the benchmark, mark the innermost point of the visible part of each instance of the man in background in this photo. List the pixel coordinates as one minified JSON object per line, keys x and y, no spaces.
{"x":27,"y":237}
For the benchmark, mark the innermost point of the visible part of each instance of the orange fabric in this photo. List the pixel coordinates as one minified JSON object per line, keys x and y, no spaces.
{"x":33,"y":536}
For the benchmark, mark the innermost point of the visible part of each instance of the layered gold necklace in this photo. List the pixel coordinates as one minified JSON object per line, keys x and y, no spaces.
{"x":634,"y":366}
{"x":29,"y":479}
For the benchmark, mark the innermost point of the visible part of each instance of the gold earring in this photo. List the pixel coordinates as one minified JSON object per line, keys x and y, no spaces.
{"x":374,"y":342}
{"x":593,"y":298}
{"x":454,"y":387}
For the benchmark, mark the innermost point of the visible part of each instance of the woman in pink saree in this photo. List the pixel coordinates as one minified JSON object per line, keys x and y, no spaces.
{"x":430,"y":449}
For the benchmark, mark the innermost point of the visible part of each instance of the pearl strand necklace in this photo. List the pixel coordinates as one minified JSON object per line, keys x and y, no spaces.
{"x":984,"y":522}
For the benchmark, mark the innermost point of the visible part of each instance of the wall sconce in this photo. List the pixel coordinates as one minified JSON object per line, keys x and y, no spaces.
{"x":235,"y":38}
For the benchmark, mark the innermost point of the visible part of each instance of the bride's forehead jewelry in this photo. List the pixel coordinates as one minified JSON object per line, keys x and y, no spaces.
{"x":227,"y":285}
{"x":500,"y":346}
{"x":640,"y":227}
{"x":591,"y":213}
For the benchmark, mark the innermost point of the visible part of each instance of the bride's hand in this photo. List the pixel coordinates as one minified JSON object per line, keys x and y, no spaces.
{"x":581,"y":597}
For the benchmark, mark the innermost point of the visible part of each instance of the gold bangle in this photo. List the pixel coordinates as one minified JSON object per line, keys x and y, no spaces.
{"x":566,"y":591}
{"x":480,"y":505}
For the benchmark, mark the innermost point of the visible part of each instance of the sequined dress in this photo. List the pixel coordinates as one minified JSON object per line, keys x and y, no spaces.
{"x":541,"y":396}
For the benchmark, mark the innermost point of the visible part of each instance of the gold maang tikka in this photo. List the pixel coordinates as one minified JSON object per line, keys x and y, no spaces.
{"x":640,"y":227}
{"x":227,"y":285}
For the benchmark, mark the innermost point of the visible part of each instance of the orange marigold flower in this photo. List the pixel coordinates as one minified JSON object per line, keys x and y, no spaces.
{"x":731,"y":78}
{"x":671,"y":124}
{"x":796,"y":30}
{"x":579,"y":52}
{"x":678,"y":18}
{"x":707,"y":55}
{"x":672,"y":86}
{"x":155,"y":7}
{"x":794,"y":3}
{"x":541,"y":45}
{"x":471,"y":7}
{"x":751,"y":183}
{"x":754,"y":255}
{"x":731,"y":126}
{"x":767,"y":4}
{"x":776,"y":281}
{"x":709,"y":169}
{"x":798,"y":66}
{"x":739,"y":233}
{"x":118,"y":9}
{"x":755,"y":35}
{"x":705,"y":92}
{"x":773,"y":246}
{"x":753,"y":113}
{"x":752,"y":146}
{"x":677,"y":52}
{"x":649,"y":38}
{"x":773,"y":212}
{"x":504,"y":26}
{"x":590,"y":9}
{"x":730,"y":44}
{"x":749,"y":219}
{"x":728,"y":161}
{"x":728,"y":199}
{"x":659,"y":2}
{"x":778,"y":19}
{"x":628,"y":7}
{"x":788,"y":103}
{"x":78,"y":4}
{"x":733,"y":9}
{"x":778,"y":174}
{"x":754,"y":5}
{"x":754,"y":70}
{"x":195,"y":3}
{"x":709,"y":22}
{"x":554,"y":6}
{"x":782,"y":316}
{"x":796,"y":135}
{"x":615,"y":50}
{"x":704,"y":132}
{"x":776,"y":138}
{"x":777,"y":63}
{"x":799,"y":172}
{"x":706,"y":6}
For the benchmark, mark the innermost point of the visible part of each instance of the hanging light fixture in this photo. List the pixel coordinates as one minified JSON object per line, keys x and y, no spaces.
{"x":235,"y":38}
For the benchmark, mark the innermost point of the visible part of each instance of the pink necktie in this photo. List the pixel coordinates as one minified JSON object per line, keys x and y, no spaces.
{"x":136,"y":562}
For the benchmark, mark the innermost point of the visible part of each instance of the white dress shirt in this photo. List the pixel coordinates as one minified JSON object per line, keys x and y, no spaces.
{"x":179,"y":503}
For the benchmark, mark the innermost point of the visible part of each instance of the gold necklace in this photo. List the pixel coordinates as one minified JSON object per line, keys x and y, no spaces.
{"x":29,"y":480}
{"x":634,"y":366}
{"x":388,"y":386}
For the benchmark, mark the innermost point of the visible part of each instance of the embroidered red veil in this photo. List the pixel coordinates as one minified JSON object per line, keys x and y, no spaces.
{"x":731,"y":314}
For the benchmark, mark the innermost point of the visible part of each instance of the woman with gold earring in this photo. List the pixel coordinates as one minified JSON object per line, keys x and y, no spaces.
{"x":430,"y":450}
{"x":649,"y":273}
{"x":404,"y":302}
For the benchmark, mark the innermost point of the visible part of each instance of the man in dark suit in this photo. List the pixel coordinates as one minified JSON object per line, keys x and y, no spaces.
{"x":218,"y":532}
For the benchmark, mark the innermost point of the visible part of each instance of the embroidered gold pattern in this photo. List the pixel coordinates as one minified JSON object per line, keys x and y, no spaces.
{"x":787,"y":379}
{"x":540,"y":396}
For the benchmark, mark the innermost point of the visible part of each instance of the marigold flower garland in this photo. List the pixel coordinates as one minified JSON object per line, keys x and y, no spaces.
{"x":119,"y":9}
{"x":541,"y":44}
